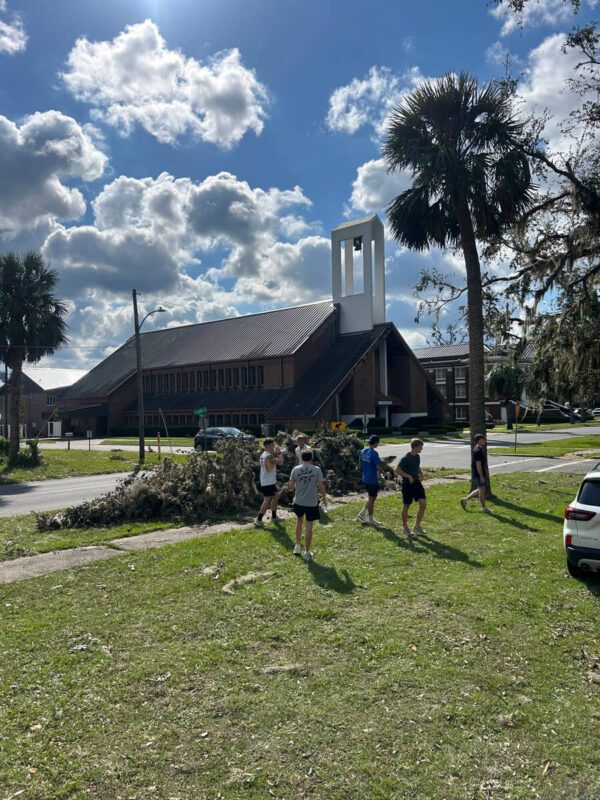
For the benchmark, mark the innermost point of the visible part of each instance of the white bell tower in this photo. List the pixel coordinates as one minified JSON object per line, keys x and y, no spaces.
{"x":366,"y":308}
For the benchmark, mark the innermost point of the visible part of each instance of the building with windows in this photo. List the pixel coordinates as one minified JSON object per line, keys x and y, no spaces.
{"x":334,"y":360}
{"x":41,"y":389}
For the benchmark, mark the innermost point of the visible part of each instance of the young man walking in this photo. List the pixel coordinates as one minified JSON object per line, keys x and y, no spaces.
{"x":301,"y":447}
{"x":306,"y":481}
{"x":478,"y":474}
{"x":370,"y":464}
{"x":270,"y":459}
{"x":412,"y":488}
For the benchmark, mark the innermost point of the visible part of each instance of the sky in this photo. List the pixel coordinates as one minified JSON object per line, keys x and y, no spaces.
{"x":201,"y":151}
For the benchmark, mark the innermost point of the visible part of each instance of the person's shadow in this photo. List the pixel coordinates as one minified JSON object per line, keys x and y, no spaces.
{"x":426,"y":544}
{"x":328,"y":578}
{"x":527,"y":511}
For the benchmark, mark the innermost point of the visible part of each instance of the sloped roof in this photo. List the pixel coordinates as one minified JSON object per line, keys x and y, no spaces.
{"x":53,"y":377}
{"x":323,"y":379}
{"x":266,"y":335}
{"x":444,"y":351}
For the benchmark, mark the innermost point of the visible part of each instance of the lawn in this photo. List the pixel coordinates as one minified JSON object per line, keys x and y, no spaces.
{"x":464,"y":665}
{"x":176,"y":441}
{"x":556,"y":447}
{"x":75,"y":463}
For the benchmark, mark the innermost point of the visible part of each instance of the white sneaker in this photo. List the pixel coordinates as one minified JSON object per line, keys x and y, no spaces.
{"x":375,"y":523}
{"x":407,"y":532}
{"x":308,"y":555}
{"x":258,"y":523}
{"x":362,"y":516}
{"x":417,"y":529}
{"x":486,"y":510}
{"x":297,"y":550}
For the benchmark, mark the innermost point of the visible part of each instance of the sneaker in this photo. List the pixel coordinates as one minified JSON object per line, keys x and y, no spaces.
{"x":308,"y":555}
{"x":258,"y":523}
{"x":324,"y":507}
{"x":296,"y":550}
{"x":408,"y":533}
{"x":375,"y":523}
{"x":274,"y":517}
{"x":486,"y":510}
{"x":463,"y":502}
{"x":362,"y":516}
{"x":417,"y":529}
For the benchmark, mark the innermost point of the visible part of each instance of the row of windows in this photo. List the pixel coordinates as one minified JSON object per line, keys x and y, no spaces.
{"x":460,"y":377}
{"x":205,"y":380}
{"x":180,"y":420}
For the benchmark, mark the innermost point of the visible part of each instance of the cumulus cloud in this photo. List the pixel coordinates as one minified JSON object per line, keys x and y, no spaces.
{"x":36,"y":161}
{"x":13,"y":38}
{"x":368,"y":101}
{"x":535,"y":13}
{"x":374,"y":187}
{"x":136,"y":80}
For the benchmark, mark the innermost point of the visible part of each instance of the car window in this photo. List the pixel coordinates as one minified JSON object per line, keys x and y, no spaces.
{"x":231,"y":431}
{"x":212,"y":431}
{"x":589,"y":493}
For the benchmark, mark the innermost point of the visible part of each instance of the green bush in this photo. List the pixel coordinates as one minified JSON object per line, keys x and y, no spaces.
{"x":3,"y":447}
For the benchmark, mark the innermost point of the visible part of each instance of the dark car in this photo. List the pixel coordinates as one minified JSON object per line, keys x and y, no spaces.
{"x":214,"y":435}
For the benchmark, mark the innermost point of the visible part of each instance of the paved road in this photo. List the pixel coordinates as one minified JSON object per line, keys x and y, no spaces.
{"x":48,"y":495}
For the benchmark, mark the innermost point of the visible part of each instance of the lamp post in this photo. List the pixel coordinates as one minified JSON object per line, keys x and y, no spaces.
{"x":138,"y":358}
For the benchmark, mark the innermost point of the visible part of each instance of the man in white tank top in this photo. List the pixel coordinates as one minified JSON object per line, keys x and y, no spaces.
{"x":269,"y":461}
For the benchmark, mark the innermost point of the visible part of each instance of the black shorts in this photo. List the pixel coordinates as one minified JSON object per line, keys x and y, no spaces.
{"x":269,"y":490}
{"x":479,"y":482}
{"x":412,"y":491}
{"x":372,"y":489}
{"x":311,"y":512}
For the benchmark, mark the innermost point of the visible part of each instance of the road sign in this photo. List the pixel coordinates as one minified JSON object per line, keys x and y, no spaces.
{"x":200,"y":412}
{"x":338,"y":426}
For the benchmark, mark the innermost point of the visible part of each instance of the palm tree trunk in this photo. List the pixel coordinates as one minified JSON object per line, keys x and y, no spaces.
{"x":509,"y":416}
{"x":16,"y":379}
{"x":475,"y":325}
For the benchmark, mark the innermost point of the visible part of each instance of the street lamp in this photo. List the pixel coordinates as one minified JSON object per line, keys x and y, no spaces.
{"x":138,"y":358}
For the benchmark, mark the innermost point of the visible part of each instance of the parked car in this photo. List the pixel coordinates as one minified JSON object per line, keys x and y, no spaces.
{"x":596,"y":412}
{"x":581,"y":529}
{"x":214,"y":435}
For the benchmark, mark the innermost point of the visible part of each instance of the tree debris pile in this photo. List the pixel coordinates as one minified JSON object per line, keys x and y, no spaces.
{"x":206,"y":485}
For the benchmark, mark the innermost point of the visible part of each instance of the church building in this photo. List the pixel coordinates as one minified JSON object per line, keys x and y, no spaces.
{"x":333,"y":360}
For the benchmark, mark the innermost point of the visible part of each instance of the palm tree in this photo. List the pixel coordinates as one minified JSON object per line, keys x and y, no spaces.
{"x":506,"y":382}
{"x":471,"y":179}
{"x":31,"y":324}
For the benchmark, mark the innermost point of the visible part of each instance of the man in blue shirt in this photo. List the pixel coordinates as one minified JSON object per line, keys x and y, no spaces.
{"x":370,"y":464}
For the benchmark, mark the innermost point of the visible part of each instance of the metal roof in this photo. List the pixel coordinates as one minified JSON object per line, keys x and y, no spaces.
{"x":325,"y":377}
{"x":444,"y":351}
{"x":352,"y":223}
{"x":49,"y":378}
{"x":266,"y":335}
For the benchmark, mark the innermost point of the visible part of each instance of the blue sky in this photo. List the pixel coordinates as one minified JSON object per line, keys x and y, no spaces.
{"x":201,"y":151}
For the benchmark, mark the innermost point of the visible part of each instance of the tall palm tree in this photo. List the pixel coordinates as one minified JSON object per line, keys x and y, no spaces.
{"x":32,"y":324}
{"x":506,"y":382}
{"x":470,"y":180}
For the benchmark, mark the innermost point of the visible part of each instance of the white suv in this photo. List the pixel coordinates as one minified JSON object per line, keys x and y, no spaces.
{"x":581,"y":530}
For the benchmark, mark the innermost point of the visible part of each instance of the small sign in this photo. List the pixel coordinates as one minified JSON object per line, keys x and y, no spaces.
{"x":338,"y":426}
{"x":200,"y":412}
{"x":88,"y":434}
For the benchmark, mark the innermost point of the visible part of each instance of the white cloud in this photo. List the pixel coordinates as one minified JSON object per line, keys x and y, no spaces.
{"x":497,"y":54}
{"x":35,"y":161}
{"x":368,"y":101}
{"x":137,"y":80}
{"x":13,"y":38}
{"x":374,"y":187}
{"x":535,"y":13}
{"x":544,"y":87}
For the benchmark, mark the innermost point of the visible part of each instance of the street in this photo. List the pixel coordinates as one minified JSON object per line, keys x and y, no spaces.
{"x":49,"y":495}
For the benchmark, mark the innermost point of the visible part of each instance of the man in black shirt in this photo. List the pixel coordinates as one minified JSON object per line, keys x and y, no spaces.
{"x":478,"y":474}
{"x":412,"y":488}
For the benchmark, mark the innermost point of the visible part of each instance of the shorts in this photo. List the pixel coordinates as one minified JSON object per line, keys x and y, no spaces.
{"x":479,"y":482}
{"x":412,"y":491}
{"x":312,"y":512}
{"x":372,"y":489}
{"x":270,"y":490}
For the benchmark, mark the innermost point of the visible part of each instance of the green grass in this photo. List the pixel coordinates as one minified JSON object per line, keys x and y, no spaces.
{"x":455,"y":667}
{"x":176,"y":441}
{"x":75,"y":463}
{"x":531,"y":427}
{"x":20,"y":537}
{"x":553,"y":448}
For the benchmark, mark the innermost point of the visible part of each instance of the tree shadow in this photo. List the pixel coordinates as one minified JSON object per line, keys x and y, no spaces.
{"x":527,"y":511}
{"x":328,"y":578}
{"x":427,"y":544}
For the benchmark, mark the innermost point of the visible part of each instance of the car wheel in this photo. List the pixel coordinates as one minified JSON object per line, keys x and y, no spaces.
{"x":574,"y":571}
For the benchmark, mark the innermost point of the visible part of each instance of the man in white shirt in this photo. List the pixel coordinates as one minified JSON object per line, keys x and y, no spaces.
{"x":302,"y":446}
{"x":270,"y":459}
{"x":307,"y":482}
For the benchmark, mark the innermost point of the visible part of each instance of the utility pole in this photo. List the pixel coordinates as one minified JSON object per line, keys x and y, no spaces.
{"x":140,"y":386}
